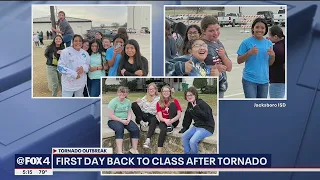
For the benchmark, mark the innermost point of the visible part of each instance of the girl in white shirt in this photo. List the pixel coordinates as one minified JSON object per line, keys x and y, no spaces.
{"x":145,"y":112}
{"x":73,"y":65}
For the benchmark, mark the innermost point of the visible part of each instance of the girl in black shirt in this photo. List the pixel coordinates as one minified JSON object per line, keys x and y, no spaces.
{"x":201,"y":113}
{"x":52,"y":53}
{"x":132,"y":63}
{"x":277,"y":69}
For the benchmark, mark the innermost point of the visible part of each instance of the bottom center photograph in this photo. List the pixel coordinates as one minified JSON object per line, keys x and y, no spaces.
{"x":160,"y":116}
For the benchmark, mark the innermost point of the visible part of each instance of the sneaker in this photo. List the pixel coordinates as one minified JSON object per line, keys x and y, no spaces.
{"x":144,"y":126}
{"x":182,"y":130}
{"x":132,"y":151}
{"x":169,"y":129}
{"x":146,"y":144}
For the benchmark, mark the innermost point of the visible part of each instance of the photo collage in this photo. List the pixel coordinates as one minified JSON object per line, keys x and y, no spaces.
{"x":207,"y":54}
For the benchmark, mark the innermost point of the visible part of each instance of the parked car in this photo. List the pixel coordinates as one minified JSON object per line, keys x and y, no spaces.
{"x":268,"y":16}
{"x":230,"y":19}
{"x":105,"y":32}
{"x":145,"y":30}
{"x":131,"y":30}
{"x":280,"y":17}
{"x":176,"y":17}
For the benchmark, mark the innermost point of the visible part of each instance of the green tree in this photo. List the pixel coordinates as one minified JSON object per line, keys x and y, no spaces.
{"x":115,"y":25}
{"x":197,"y":10}
{"x":200,"y":83}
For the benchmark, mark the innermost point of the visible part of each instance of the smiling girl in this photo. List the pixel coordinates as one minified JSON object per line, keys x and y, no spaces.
{"x":132,"y":63}
{"x":169,"y":113}
{"x":257,"y":54}
{"x":97,"y":68}
{"x":196,"y":65}
{"x":73,"y":65}
{"x":113,"y":54}
{"x":52,"y":53}
{"x":201,"y":113}
{"x":193,"y":32}
{"x":120,"y":115}
{"x":217,"y":54}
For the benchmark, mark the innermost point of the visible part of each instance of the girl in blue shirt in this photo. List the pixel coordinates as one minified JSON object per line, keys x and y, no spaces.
{"x":113,"y":54}
{"x":97,"y":67}
{"x":257,"y":53}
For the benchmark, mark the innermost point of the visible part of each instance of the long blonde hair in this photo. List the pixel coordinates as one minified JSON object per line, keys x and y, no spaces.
{"x":148,"y":97}
{"x":171,"y":98}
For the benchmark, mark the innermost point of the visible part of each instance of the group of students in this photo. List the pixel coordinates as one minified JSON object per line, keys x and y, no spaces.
{"x":80,"y":63}
{"x":38,"y":39}
{"x":201,"y":53}
{"x":163,"y":110}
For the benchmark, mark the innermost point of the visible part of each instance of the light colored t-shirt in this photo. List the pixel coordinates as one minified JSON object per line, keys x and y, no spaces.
{"x":256,"y":68}
{"x":70,"y":60}
{"x":149,"y":107}
{"x":35,"y":38}
{"x":95,"y":60}
{"x":120,"y":109}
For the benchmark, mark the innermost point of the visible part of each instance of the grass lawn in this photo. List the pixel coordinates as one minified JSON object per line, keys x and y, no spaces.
{"x":40,"y":82}
{"x":211,"y":99}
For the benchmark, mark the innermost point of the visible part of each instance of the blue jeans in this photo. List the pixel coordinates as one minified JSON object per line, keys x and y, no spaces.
{"x":118,"y":128}
{"x":277,"y":90}
{"x":192,"y":137}
{"x":94,"y":87}
{"x":67,"y":39}
{"x":254,"y":90}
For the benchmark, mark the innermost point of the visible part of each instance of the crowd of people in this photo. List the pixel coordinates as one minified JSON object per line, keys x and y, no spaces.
{"x":197,"y":51}
{"x":76,"y":64}
{"x":163,"y":110}
{"x":38,"y":38}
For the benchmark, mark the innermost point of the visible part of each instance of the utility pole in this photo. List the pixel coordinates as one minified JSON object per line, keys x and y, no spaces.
{"x":53,"y":21}
{"x":133,"y":17}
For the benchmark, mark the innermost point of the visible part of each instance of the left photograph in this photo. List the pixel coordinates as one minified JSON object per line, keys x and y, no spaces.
{"x":74,"y":46}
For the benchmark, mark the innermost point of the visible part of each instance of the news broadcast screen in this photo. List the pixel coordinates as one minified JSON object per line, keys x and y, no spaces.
{"x":94,"y":90}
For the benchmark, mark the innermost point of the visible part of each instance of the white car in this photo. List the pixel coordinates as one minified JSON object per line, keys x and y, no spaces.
{"x":131,"y":30}
{"x":280,"y":17}
{"x":176,"y":17}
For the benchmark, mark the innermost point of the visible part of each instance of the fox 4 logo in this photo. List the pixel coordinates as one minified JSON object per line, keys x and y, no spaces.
{"x":36,"y":160}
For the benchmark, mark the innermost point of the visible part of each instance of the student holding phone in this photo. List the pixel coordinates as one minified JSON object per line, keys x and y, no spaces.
{"x":113,"y":55}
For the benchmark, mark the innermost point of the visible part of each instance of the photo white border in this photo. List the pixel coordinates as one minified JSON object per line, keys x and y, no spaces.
{"x":286,"y":50}
{"x":61,"y":5}
{"x":162,"y":169}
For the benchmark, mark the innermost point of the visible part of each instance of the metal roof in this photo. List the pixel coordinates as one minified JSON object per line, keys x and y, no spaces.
{"x":70,"y":19}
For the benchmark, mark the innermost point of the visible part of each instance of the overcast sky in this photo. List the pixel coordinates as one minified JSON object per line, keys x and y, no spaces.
{"x":98,"y":14}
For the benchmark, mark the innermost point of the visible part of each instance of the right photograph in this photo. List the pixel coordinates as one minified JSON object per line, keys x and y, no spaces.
{"x":244,"y":46}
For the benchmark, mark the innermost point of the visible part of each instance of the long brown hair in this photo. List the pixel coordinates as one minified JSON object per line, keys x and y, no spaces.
{"x":171,"y":98}
{"x":148,"y":97}
{"x":167,"y":30}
